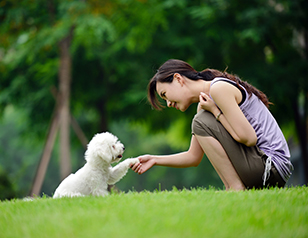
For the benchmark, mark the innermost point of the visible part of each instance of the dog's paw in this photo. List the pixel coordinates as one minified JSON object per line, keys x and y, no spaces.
{"x":132,"y":161}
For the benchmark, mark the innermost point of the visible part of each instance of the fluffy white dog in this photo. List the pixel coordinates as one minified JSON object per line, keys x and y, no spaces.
{"x":93,"y":178}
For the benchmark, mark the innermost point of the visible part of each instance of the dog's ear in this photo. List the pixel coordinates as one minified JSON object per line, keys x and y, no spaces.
{"x":100,"y":152}
{"x":99,"y":148}
{"x":105,"y":153}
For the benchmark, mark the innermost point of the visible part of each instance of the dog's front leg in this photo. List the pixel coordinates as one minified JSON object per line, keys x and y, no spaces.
{"x":117,"y":172}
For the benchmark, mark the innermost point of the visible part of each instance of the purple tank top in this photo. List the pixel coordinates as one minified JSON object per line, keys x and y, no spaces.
{"x":270,"y":137}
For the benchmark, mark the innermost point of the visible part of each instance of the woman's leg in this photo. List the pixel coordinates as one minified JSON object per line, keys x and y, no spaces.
{"x":235,"y":163}
{"x":221,"y":162}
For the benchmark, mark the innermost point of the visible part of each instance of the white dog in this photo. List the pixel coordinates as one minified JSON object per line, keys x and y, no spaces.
{"x":93,"y":178}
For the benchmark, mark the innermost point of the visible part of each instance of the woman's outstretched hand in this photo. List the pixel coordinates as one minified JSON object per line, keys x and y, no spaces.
{"x":145,"y":163}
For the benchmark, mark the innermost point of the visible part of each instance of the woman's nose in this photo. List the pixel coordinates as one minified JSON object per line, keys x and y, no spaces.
{"x":168,"y":103}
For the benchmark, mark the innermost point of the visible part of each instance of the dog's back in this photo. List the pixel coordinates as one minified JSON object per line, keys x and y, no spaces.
{"x":67,"y":188}
{"x":86,"y":181}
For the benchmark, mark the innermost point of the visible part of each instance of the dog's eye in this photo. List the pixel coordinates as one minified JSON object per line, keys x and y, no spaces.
{"x":113,"y":147}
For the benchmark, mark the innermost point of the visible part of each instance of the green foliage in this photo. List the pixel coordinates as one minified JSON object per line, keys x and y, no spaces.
{"x":7,"y":190}
{"x":177,"y":213}
{"x":118,"y":45}
{"x":101,"y":34}
{"x":19,"y":153}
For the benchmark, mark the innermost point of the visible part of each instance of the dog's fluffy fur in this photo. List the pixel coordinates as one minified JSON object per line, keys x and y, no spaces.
{"x":93,"y":178}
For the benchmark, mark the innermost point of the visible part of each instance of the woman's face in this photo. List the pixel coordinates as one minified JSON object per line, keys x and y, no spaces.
{"x":175,"y":93}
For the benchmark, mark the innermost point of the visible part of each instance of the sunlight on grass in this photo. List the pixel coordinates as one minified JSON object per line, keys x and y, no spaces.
{"x":185,"y":213}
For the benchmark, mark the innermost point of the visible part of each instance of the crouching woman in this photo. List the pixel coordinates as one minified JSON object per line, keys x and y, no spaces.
{"x":233,"y":127}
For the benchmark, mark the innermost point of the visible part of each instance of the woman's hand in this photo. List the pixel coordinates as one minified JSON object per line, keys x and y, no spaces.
{"x":145,"y":163}
{"x":206,"y":103}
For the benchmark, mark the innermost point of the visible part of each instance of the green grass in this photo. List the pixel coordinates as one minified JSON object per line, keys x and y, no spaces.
{"x":187,"y":213}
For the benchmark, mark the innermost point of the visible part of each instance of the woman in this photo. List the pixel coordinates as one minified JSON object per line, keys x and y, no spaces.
{"x":233,"y":127}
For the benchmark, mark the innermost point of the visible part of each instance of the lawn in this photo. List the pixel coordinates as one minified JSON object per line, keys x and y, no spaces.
{"x":186,"y":213}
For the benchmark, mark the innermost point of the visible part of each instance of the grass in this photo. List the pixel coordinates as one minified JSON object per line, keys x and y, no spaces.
{"x":187,"y":213}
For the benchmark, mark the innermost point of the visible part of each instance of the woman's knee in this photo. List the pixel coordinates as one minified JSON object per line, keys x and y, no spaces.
{"x":204,"y":124}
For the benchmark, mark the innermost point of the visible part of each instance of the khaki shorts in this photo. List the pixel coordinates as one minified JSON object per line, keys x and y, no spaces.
{"x":249,"y":162}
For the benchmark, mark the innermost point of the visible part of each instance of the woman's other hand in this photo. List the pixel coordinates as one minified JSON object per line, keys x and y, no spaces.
{"x":206,"y":103}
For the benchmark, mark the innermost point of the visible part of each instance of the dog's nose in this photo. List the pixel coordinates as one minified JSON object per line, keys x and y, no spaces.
{"x":123,"y":148}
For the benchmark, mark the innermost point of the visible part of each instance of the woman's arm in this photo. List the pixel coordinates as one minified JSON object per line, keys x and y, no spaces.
{"x":227,"y":97}
{"x":190,"y":158}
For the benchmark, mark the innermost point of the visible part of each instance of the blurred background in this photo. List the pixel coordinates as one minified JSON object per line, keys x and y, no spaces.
{"x":72,"y":68}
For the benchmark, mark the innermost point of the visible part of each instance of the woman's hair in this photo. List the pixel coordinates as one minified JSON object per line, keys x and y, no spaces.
{"x":169,"y":68}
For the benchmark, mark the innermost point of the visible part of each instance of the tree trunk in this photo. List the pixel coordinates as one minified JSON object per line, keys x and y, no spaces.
{"x":64,"y":90}
{"x":42,"y":167}
{"x":61,"y":120}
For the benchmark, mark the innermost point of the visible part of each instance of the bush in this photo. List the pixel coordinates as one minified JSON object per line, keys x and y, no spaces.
{"x":7,"y":190}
